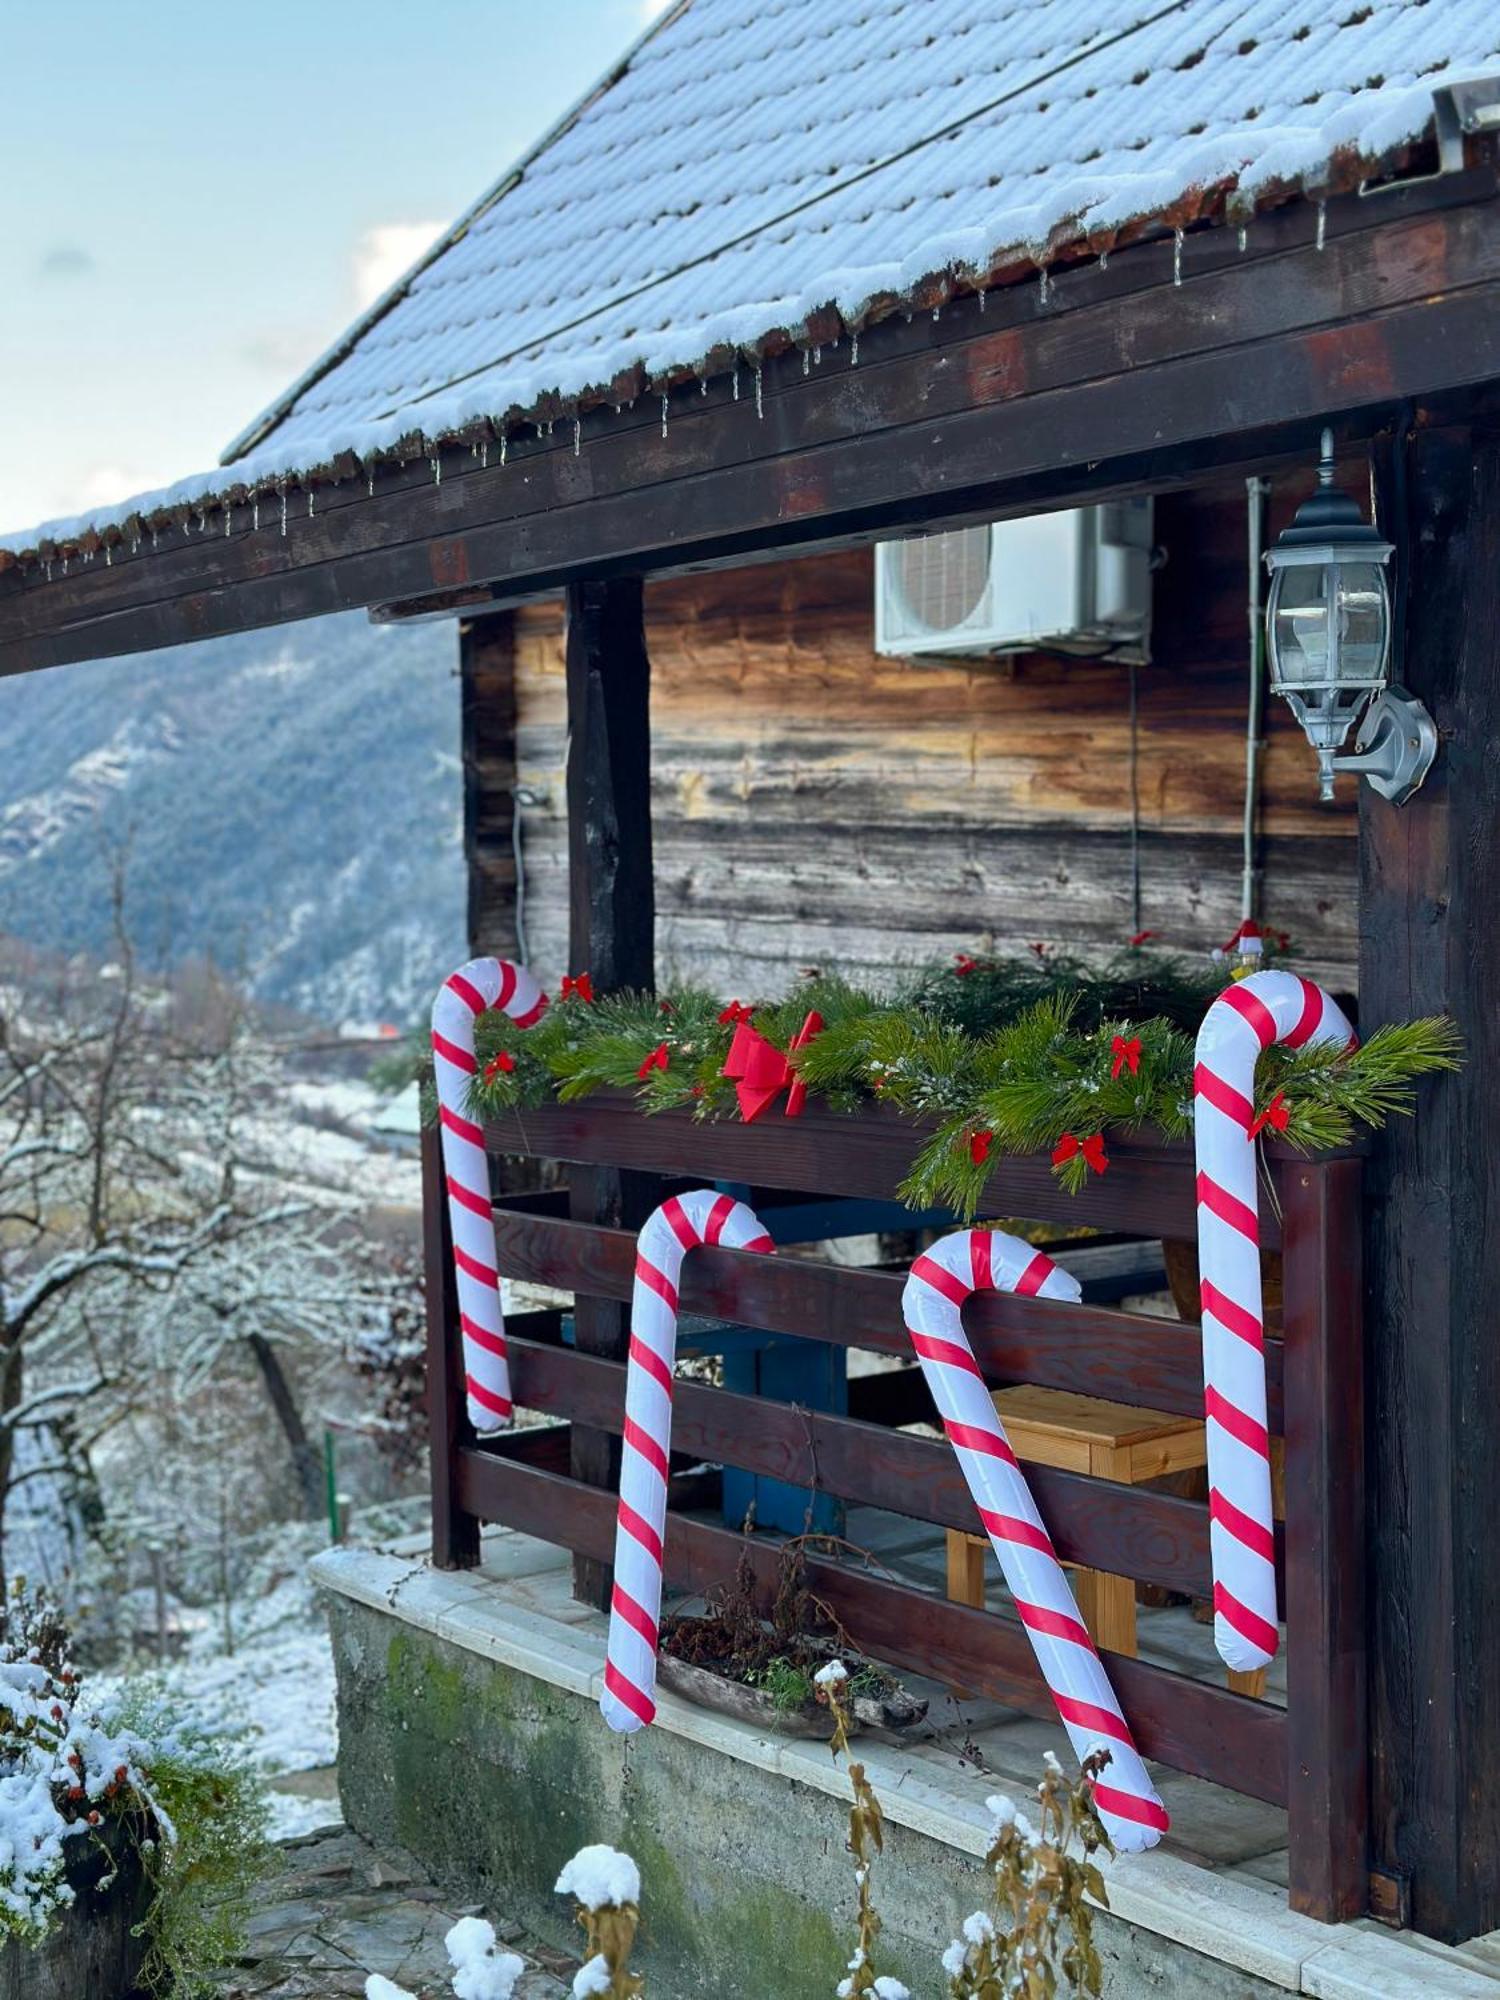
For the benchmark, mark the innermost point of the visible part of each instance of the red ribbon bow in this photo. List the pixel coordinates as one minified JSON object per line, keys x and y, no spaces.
{"x":761,"y":1071}
{"x":963,"y":965}
{"x":979,"y":1146}
{"x":658,"y":1059}
{"x":1127,"y":1055}
{"x":1092,"y":1149}
{"x":1275,"y":1115}
{"x":583,"y":986}
{"x":734,"y":1013}
{"x":1141,"y":937}
{"x":503,"y":1063}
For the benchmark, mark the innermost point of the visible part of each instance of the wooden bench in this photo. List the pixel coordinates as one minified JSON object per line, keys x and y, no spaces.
{"x":1103,"y":1440}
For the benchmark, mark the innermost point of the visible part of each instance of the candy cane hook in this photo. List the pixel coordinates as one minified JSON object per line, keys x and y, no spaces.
{"x":977,"y":1260}
{"x":681,"y":1224}
{"x":465,"y":995}
{"x":1245,"y":1019}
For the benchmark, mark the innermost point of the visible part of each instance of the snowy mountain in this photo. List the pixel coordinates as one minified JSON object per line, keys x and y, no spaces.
{"x":291,"y":802}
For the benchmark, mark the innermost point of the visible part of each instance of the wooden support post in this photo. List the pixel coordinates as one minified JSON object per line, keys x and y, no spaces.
{"x":611,"y":931}
{"x":1430,"y":942}
{"x":1327,"y":1783}
{"x":487,"y":683}
{"x":455,"y":1533}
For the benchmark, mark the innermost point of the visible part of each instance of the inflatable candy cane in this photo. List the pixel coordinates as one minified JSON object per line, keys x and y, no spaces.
{"x":978,"y":1260}
{"x":465,"y":995}
{"x":1245,"y":1019}
{"x":679,"y":1225}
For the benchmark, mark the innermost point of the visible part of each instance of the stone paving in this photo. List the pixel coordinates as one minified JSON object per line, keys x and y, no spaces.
{"x":337,"y":1911}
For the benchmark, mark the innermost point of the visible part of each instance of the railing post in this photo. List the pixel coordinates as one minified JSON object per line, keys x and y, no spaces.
{"x":1328,"y":1752}
{"x":455,"y":1534}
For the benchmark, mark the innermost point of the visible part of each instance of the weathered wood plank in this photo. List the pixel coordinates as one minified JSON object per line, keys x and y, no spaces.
{"x":1429,"y":893}
{"x":1225,"y":1737}
{"x":1095,"y":1350}
{"x":487,"y":711}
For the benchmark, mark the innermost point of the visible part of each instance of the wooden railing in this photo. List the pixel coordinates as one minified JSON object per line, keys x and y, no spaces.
{"x":1309,"y":1757}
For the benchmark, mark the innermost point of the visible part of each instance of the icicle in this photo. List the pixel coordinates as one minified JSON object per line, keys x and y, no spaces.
{"x":760,"y":400}
{"x":664,"y":406}
{"x":1044,"y":286}
{"x":854,"y":350}
{"x":282,"y":491}
{"x":484,"y":454}
{"x":255,"y":507}
{"x":702,"y":385}
{"x":65,"y":565}
{"x":577,"y":436}
{"x":1322,"y":236}
{"x":736,"y":381}
{"x":370,"y":483}
{"x":310,"y":499}
{"x":1103,"y":260}
{"x":109,"y":561}
{"x":135,"y":545}
{"x":153,"y":538}
{"x":806,"y":361}
{"x":937,"y":312}
{"x":1176,"y":256}
{"x":228,"y":519}
{"x":981,"y":298}
{"x":47,"y":566}
{"x":504,"y":447}
{"x":817,"y":357}
{"x":436,"y":462}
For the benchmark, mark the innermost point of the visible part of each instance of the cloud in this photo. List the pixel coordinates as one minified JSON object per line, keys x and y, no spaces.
{"x":65,"y":260}
{"x":387,"y":252}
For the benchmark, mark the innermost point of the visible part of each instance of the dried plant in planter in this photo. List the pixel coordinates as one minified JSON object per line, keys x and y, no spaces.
{"x":776,"y":1660}
{"x":866,"y":1839}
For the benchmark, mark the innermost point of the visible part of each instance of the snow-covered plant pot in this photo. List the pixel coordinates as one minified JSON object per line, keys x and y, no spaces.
{"x":92,"y":1946}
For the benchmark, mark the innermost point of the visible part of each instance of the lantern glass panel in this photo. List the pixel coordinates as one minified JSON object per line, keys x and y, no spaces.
{"x":1299,"y":625}
{"x":1363,"y":622}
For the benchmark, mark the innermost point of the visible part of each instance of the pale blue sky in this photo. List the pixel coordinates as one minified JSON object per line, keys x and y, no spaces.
{"x":195,"y":200}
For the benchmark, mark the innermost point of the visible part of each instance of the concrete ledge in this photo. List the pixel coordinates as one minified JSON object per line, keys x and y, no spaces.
{"x":500,"y":1704}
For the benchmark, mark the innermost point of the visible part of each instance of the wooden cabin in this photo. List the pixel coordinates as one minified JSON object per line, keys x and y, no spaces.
{"x":792,"y":284}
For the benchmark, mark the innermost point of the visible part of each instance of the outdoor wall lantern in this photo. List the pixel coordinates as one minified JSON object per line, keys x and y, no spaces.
{"x":1328,"y":642}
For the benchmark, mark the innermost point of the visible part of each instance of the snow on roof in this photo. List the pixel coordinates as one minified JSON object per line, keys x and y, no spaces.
{"x":753,"y":164}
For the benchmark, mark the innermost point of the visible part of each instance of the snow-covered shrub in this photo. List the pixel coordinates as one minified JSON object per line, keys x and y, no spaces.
{"x":144,"y":1788}
{"x":606,"y":1885}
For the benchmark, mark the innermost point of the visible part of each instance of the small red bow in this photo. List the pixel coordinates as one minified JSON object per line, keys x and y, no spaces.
{"x":979,"y":1146}
{"x":501,"y":1064}
{"x":963,"y":965}
{"x":1275,"y":1115}
{"x":665,"y":1007}
{"x":1041,"y":950}
{"x":1127,"y":1055}
{"x":761,"y":1071}
{"x":583,"y":986}
{"x":658,"y":1059}
{"x":734,"y":1013}
{"x":1092,"y":1149}
{"x":1141,"y":937}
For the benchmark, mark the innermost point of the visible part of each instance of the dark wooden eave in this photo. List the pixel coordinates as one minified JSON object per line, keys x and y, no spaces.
{"x":1123,"y":379}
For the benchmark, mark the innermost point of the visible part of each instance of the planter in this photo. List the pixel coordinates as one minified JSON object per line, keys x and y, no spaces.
{"x":90,"y":1953}
{"x":895,"y":1709}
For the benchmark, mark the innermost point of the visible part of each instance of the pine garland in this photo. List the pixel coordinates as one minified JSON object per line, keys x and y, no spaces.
{"x":1045,"y":1054}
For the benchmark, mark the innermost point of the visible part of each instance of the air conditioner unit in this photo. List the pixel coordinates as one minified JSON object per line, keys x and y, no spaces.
{"x":1075,"y":582}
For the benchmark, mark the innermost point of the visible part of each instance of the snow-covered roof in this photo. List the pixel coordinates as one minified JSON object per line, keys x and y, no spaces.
{"x":758,"y":169}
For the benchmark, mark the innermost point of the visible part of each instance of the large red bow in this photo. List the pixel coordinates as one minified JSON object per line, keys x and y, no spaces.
{"x":1092,"y":1149}
{"x":658,"y":1059}
{"x":761,"y":1071}
{"x":583,"y":986}
{"x":734,"y":1013}
{"x":500,"y":1065}
{"x":1127,"y":1055}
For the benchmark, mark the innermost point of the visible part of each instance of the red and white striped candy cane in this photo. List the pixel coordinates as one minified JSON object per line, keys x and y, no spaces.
{"x":981,"y":1260}
{"x":1245,"y":1019}
{"x":465,"y":995}
{"x":682,"y":1223}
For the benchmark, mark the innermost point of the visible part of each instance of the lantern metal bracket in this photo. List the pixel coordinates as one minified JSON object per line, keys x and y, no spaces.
{"x":1394,"y":747}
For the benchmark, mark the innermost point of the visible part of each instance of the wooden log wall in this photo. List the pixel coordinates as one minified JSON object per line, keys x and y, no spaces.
{"x":814,"y":803}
